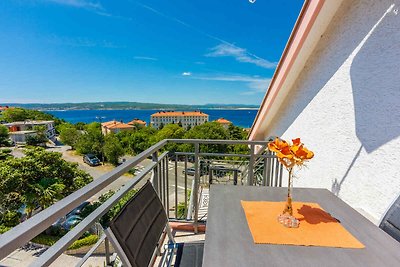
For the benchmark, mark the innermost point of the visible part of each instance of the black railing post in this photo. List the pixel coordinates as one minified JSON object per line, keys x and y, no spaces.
{"x":196,"y":186}
{"x":250,"y":176}
{"x":176,"y":187}
{"x":155,"y":172}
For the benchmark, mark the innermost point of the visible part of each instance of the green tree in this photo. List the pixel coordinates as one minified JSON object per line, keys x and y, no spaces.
{"x":208,"y":130}
{"x":39,"y":139}
{"x":80,"y":126}
{"x":170,"y":131}
{"x":91,"y":141}
{"x":237,"y":133}
{"x":21,"y":114}
{"x":3,"y":135}
{"x":69,"y":135}
{"x":112,"y":149}
{"x":15,"y":114}
{"x":38,"y":180}
{"x":137,"y":141}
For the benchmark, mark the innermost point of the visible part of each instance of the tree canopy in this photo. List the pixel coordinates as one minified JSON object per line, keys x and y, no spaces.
{"x":112,"y":148}
{"x":69,"y":134}
{"x":37,"y":180}
{"x":3,"y":135}
{"x":21,"y":114}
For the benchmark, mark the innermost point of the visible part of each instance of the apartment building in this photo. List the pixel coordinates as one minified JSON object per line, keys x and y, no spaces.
{"x":115,"y":127}
{"x":186,"y":118}
{"x":20,"y":130}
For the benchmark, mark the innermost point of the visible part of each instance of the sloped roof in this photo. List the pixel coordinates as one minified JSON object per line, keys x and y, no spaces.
{"x":137,"y":121}
{"x":116,"y":125}
{"x":223,"y":121}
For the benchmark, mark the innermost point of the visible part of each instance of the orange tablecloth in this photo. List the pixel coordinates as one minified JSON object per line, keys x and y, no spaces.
{"x":317,"y":227}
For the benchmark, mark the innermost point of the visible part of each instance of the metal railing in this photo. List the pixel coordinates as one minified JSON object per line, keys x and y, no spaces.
{"x":164,"y":176}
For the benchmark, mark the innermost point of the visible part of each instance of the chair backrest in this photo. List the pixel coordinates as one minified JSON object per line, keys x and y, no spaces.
{"x":391,"y":222}
{"x":137,"y":228}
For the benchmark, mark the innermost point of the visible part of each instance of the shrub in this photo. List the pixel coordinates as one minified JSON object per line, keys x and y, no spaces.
{"x":44,"y":239}
{"x":10,"y":218}
{"x":86,"y":241}
{"x":4,"y":229}
{"x":49,"y":240}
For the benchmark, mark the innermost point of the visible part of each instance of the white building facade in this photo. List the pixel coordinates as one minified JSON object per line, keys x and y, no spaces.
{"x":337,"y":87}
{"x":27,"y":128}
{"x":186,"y":118}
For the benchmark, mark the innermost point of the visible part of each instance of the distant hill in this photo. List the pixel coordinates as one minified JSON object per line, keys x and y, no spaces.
{"x":125,"y":105}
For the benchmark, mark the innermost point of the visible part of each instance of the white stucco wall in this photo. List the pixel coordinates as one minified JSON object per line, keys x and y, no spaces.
{"x":346,"y":107}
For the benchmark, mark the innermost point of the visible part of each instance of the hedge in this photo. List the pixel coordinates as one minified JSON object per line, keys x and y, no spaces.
{"x":49,"y":240}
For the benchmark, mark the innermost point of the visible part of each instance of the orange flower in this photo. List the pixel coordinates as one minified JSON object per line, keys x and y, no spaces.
{"x":301,"y":152}
{"x":277,"y":145}
{"x":290,"y":155}
{"x":296,"y":142}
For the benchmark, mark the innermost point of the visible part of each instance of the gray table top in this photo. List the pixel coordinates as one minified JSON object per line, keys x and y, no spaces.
{"x":229,"y":241}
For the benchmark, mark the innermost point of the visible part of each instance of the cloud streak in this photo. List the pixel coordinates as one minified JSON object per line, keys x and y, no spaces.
{"x":255,"y":84}
{"x":146,"y":58}
{"x":240,"y":55}
{"x":81,"y":42}
{"x":92,"y":6}
{"x":224,"y":49}
{"x":79,"y":3}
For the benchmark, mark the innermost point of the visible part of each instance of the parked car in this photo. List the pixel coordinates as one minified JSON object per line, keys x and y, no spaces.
{"x":220,"y":171}
{"x":71,"y":221}
{"x":78,"y":209}
{"x":91,"y":160}
{"x":189,"y":171}
{"x":192,"y":171}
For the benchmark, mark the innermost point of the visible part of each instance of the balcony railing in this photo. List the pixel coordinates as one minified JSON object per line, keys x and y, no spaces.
{"x":258,"y":167}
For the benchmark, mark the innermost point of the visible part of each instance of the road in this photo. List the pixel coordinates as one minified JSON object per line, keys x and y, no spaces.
{"x":96,"y":172}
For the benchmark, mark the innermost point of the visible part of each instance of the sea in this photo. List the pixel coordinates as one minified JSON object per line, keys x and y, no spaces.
{"x":239,"y":117}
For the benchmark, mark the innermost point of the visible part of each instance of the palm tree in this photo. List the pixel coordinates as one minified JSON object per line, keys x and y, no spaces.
{"x":42,"y":194}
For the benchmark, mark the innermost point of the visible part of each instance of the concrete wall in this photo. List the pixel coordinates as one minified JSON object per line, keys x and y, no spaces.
{"x":346,"y":107}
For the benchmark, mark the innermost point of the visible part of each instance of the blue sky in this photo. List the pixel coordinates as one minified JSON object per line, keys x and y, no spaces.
{"x":194,"y":52}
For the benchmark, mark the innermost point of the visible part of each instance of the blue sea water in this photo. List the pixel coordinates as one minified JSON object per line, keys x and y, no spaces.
{"x":239,"y":117}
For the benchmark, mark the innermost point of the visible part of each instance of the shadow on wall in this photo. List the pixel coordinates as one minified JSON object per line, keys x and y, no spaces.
{"x":334,"y":49}
{"x":375,"y":78}
{"x":337,"y":185}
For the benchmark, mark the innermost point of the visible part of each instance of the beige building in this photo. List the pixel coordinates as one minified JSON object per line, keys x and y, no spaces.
{"x":137,"y":122}
{"x":115,"y":127}
{"x":186,"y":118}
{"x":224,"y":122}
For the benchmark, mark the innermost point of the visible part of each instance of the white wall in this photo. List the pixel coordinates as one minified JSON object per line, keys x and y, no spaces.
{"x":346,"y":107}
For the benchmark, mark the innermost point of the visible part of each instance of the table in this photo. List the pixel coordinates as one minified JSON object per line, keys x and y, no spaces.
{"x":229,"y":242}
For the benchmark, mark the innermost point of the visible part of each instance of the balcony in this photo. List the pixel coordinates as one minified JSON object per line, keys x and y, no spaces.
{"x":174,"y":175}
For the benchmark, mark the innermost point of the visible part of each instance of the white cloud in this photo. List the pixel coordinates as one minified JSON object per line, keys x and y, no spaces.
{"x":255,"y":84}
{"x":90,"y":5}
{"x":79,"y":3}
{"x":145,"y":58}
{"x":186,"y":73}
{"x":240,"y":54}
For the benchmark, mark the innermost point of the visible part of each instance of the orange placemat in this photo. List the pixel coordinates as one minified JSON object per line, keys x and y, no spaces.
{"x":317,"y":227}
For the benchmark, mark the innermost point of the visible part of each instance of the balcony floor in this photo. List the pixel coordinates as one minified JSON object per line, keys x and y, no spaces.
{"x":24,"y":256}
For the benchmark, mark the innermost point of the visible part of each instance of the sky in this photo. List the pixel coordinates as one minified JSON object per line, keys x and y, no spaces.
{"x":155,"y":51}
